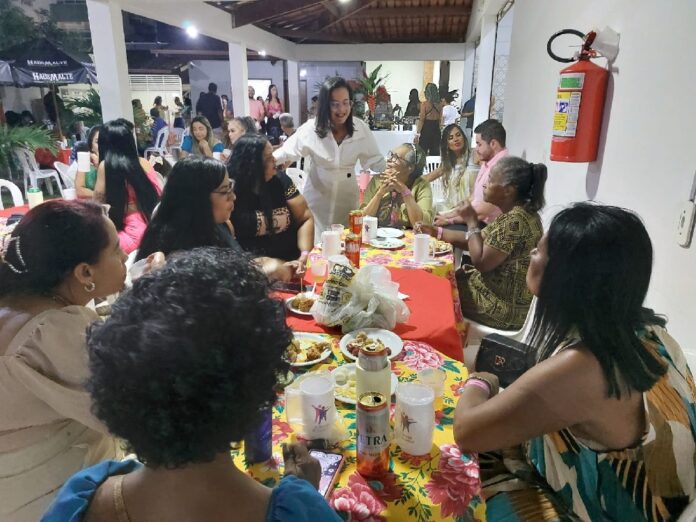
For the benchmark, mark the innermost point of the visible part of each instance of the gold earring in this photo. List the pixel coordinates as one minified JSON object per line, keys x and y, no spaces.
{"x":90,"y":287}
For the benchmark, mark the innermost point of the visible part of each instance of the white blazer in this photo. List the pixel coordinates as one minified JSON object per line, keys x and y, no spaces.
{"x":331,"y":189}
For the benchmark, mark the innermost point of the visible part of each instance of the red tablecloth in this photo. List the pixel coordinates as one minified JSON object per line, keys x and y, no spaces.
{"x":432,"y":317}
{"x":14,"y":210}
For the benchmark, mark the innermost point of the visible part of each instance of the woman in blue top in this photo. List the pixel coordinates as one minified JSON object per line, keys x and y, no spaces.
{"x":180,"y":383}
{"x":201,"y":141}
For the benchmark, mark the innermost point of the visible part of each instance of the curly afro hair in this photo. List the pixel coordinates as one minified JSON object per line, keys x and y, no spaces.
{"x":188,"y":358}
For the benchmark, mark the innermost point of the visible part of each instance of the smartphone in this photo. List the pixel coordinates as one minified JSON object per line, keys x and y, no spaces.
{"x":331,"y":464}
{"x":14,"y":218}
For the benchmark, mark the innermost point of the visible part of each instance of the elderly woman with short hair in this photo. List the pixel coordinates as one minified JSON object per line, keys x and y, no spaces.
{"x":400,"y":197}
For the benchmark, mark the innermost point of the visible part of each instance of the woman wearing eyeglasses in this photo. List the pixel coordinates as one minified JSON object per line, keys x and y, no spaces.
{"x":400,"y":197}
{"x":334,"y":141}
{"x":195,"y":212}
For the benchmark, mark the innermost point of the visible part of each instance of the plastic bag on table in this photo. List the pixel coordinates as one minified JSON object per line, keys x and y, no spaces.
{"x":366,"y":299}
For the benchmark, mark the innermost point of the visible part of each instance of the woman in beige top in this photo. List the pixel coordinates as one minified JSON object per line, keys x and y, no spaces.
{"x":58,"y":258}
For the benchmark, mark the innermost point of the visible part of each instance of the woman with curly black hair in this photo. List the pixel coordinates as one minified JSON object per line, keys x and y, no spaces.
{"x":195,"y":212}
{"x":195,"y":381}
{"x":271,"y":217}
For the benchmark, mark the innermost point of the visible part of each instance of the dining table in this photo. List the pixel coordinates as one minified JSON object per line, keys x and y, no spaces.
{"x":442,"y":485}
{"x":427,"y":293}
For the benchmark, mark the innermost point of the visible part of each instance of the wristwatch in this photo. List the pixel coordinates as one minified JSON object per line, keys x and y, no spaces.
{"x":471,"y":232}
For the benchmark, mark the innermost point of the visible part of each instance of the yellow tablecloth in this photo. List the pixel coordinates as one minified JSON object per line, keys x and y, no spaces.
{"x":444,"y":485}
{"x":442,"y":266}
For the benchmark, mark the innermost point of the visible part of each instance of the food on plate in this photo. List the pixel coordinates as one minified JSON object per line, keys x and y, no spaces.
{"x":302,"y":303}
{"x":296,"y":354}
{"x":345,"y":382}
{"x":442,"y":246}
{"x":363,"y":340}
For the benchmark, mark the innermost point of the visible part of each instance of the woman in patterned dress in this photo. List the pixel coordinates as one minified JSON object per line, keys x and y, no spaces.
{"x":492,"y":288}
{"x":603,"y":426}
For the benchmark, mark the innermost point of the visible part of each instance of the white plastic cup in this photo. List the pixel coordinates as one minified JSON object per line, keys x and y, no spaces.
{"x":311,"y":405}
{"x":369,"y":228}
{"x":34,"y":197}
{"x":337,"y":227}
{"x":421,"y":248}
{"x":83,"y":161}
{"x":217,"y":155}
{"x":69,"y":194}
{"x":414,"y":418}
{"x":330,"y":244}
{"x":435,"y":378}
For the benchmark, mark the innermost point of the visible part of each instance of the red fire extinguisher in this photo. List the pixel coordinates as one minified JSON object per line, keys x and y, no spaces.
{"x":582,"y":88}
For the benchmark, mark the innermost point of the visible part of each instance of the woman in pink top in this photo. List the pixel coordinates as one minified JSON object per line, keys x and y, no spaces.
{"x":274,"y":108}
{"x":126,"y":182}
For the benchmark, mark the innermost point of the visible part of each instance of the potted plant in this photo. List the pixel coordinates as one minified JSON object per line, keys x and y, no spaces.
{"x":31,"y":137}
{"x":370,"y":83}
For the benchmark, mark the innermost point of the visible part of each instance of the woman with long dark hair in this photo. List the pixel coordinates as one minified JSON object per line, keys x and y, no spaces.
{"x":195,"y":212}
{"x":86,"y":181}
{"x":60,"y":256}
{"x":334,"y":141}
{"x":454,"y":154}
{"x":603,"y":424}
{"x":413,"y":107}
{"x":274,"y":108}
{"x":492,"y":288}
{"x":428,"y":133}
{"x":271,"y":217}
{"x":126,"y":182}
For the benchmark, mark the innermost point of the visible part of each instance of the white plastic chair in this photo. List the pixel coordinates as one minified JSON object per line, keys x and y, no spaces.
{"x":437,"y":187}
{"x":17,"y":199}
{"x":179,"y":133}
{"x":478,"y":331}
{"x":432,"y":163}
{"x":32,"y":172}
{"x":298,"y":177}
{"x":67,"y":173}
{"x":689,"y":514}
{"x":160,"y":143}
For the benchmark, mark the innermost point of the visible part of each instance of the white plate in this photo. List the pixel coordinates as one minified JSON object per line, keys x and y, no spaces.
{"x":390,"y":340}
{"x":305,"y":340}
{"x":288,"y":303}
{"x":387,"y":243}
{"x":390,"y":232}
{"x":344,"y":398}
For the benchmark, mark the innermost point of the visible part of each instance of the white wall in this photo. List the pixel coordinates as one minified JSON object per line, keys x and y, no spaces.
{"x":403,"y":76}
{"x":20,"y":99}
{"x":316,"y":72}
{"x":646,"y":158}
{"x":455,"y":81}
{"x":202,"y":72}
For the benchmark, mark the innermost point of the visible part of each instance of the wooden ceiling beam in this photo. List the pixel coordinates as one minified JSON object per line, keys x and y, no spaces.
{"x":255,"y":12}
{"x":411,"y":12}
{"x":315,"y":35}
{"x":361,"y":5}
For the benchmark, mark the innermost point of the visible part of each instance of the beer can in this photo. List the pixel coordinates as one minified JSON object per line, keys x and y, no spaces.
{"x":353,"y":249}
{"x":258,"y":445}
{"x":372,"y":448}
{"x":355,"y":221}
{"x":373,"y":357}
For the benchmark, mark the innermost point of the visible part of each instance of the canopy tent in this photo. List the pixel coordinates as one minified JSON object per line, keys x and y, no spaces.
{"x":42,"y":63}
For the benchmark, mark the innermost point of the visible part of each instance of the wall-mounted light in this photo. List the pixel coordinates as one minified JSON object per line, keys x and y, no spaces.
{"x":303,"y":73}
{"x":191,"y":30}
{"x":262,"y":52}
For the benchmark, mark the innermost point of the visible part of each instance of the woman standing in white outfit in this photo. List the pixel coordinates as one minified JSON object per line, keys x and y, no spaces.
{"x":333,"y":143}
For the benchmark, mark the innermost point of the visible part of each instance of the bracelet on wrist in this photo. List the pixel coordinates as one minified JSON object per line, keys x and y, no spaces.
{"x":304,"y":253}
{"x":405,"y":192}
{"x":479,"y":383}
{"x":440,"y":230}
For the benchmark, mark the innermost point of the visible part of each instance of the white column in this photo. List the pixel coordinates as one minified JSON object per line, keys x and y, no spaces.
{"x":468,"y":80}
{"x":108,"y":40}
{"x":239,"y":78}
{"x":486,"y":60}
{"x":294,"y":90}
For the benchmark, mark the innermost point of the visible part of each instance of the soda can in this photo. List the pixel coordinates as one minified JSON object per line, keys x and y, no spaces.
{"x":353,"y":249}
{"x":355,"y":221}
{"x":372,"y":449}
{"x":258,"y":445}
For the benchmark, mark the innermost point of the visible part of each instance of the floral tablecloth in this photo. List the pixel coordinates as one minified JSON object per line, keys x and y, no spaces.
{"x":442,"y":266}
{"x":444,"y":485}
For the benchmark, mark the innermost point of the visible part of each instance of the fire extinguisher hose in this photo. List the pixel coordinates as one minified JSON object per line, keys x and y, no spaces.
{"x":553,"y":55}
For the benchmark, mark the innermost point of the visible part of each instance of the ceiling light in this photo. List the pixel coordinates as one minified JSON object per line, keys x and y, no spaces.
{"x":262,"y":53}
{"x":191,"y":31}
{"x":303,"y":73}
{"x":343,"y":1}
